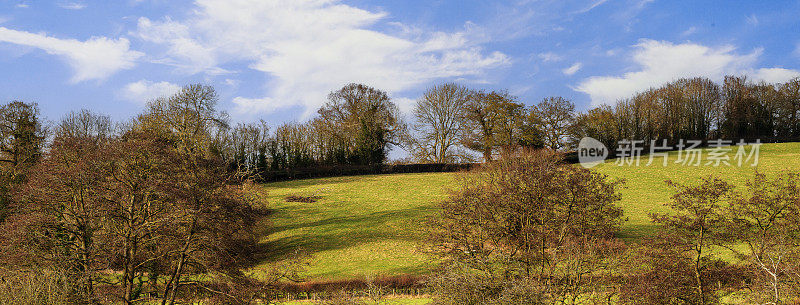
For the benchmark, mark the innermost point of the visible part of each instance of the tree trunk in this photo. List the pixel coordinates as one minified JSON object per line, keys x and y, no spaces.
{"x":128,"y":271}
{"x":171,"y":287}
{"x":487,"y":154}
{"x":697,"y":275}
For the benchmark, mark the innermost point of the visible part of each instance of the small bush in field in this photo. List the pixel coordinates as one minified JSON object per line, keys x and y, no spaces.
{"x":527,"y":229}
{"x":767,"y":220}
{"x":659,"y":272}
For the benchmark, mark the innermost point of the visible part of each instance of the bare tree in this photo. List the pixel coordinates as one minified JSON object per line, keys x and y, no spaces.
{"x":22,"y":138}
{"x":85,"y":124}
{"x":493,"y":122}
{"x":527,"y":227}
{"x":703,"y":98}
{"x":189,"y":118}
{"x":766,"y":220}
{"x":198,"y":178}
{"x":788,"y":113}
{"x":555,"y":116}
{"x":599,"y":123}
{"x":439,"y":115}
{"x":366,"y":118}
{"x":698,"y":224}
{"x":244,"y":148}
{"x":136,"y":208}
{"x":61,"y":200}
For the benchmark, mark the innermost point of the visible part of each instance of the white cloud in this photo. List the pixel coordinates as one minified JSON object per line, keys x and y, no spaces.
{"x":311,"y":47}
{"x":594,"y":4}
{"x":612,"y":52}
{"x":144,"y":91}
{"x":774,"y":75}
{"x":689,"y":31}
{"x":404,"y":104}
{"x":550,"y":56}
{"x":96,"y":58}
{"x":72,"y":5}
{"x":232,"y":82}
{"x":22,"y":5}
{"x":659,"y":62}
{"x":573,"y":68}
{"x":797,"y":50}
{"x":752,"y":20}
{"x":255,"y":105}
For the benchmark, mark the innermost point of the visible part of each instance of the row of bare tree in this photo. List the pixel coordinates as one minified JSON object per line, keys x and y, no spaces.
{"x":358,"y":125}
{"x":451,"y":123}
{"x":451,"y":120}
{"x":699,"y":109}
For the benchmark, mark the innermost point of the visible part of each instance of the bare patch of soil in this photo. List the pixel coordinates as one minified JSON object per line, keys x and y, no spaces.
{"x":305,"y":199}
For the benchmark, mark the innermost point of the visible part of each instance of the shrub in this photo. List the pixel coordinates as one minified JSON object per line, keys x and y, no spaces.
{"x":659,"y":272}
{"x":35,"y":286}
{"x":527,"y":229}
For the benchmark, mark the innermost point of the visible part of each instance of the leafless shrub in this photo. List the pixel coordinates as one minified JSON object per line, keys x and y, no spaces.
{"x":527,"y":229}
{"x":34,"y":286}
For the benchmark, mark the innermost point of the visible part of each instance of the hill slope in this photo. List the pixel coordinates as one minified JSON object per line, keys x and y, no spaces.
{"x":368,"y":225}
{"x":360,"y":226}
{"x":646,"y":191}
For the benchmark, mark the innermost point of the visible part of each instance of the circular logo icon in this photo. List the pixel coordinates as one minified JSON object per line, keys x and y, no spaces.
{"x":591,"y":152}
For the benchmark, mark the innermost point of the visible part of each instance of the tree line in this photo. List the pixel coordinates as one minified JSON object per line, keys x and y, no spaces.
{"x":451,"y":123}
{"x":451,"y":120}
{"x":357,"y":126}
{"x":699,"y":109}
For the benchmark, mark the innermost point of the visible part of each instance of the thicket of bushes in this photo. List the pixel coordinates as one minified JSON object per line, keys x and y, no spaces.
{"x":530,"y":229}
{"x":144,"y":212}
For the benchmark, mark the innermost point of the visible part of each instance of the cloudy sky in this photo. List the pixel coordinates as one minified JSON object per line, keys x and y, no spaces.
{"x":277,"y":60}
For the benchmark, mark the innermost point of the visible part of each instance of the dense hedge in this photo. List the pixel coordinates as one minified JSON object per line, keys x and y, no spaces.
{"x":353,"y":170}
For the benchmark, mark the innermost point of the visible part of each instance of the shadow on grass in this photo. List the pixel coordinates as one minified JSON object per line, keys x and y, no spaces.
{"x":342,"y":232}
{"x":636,"y":233}
{"x":293,"y":184}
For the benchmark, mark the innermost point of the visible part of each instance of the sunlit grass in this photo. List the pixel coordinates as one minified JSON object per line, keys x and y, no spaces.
{"x":361,"y":226}
{"x":646,"y":191}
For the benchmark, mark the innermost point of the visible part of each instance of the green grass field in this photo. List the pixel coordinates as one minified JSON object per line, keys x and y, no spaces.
{"x":369,"y":225}
{"x":646,"y":191}
{"x":361,"y":226}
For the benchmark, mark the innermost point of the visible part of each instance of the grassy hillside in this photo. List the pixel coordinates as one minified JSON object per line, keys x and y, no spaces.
{"x":368,"y":225}
{"x":646,"y":191}
{"x":360,"y":226}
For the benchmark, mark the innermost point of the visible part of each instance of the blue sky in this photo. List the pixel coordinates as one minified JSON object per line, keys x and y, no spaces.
{"x":277,"y":60}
